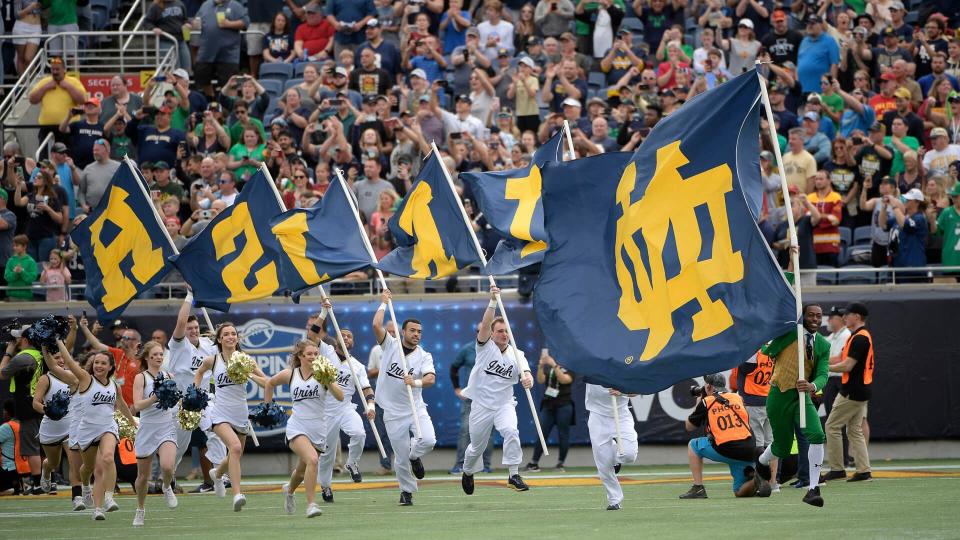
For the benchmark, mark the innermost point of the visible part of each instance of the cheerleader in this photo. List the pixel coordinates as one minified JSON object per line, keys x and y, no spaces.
{"x":306,"y":432}
{"x":54,"y":433}
{"x":97,"y":432}
{"x":228,"y":413}
{"x":156,"y":434}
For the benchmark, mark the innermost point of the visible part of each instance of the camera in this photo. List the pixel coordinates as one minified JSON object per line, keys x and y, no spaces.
{"x":857,"y":140}
{"x":698,"y":391}
{"x":206,"y":214}
{"x":10,"y":331}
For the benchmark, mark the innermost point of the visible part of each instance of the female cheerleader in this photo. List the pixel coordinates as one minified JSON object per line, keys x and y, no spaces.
{"x":306,"y":433}
{"x":157,"y":433}
{"x":228,"y":413}
{"x":97,"y":432}
{"x":54,"y":433}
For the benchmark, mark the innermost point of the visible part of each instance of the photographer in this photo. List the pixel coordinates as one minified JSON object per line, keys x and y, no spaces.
{"x":21,"y":365}
{"x":729,"y":439}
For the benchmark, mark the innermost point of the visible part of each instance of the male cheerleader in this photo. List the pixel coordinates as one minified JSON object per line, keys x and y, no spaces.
{"x":603,"y":437}
{"x":490,"y":388}
{"x":392,"y":383}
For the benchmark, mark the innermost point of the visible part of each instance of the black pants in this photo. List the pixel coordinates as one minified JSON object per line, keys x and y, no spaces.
{"x":562,"y":418}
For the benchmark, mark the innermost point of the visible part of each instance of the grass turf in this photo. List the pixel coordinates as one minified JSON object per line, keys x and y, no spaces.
{"x":908,"y":499}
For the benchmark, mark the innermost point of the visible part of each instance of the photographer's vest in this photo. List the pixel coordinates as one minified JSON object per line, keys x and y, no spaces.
{"x":785,"y":369}
{"x":868,"y":366}
{"x":727,"y":423}
{"x":36,"y":372}
{"x":757,"y":382}
{"x":22,"y":462}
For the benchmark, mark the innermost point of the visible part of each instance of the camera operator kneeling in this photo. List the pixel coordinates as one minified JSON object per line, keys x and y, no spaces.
{"x":728,"y":440}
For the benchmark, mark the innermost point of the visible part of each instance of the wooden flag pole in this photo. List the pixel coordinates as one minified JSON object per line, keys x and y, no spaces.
{"x":616,"y":422}
{"x":383,"y":284}
{"x":569,"y":137}
{"x":794,"y":255}
{"x":500,"y":306}
{"x":353,"y":374}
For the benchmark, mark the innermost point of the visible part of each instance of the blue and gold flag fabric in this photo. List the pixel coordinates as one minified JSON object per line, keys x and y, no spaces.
{"x":432,"y":238}
{"x":123,"y":246}
{"x":320,"y":243}
{"x":234,"y":258}
{"x":656,"y":270}
{"x":510,"y":200}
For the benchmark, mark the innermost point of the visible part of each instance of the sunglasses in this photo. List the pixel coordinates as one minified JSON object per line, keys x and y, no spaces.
{"x":299,"y":176}
{"x":225,"y":180}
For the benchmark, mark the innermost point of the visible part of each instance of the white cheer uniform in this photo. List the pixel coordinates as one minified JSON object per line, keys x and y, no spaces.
{"x":185,"y":359}
{"x":308,"y":397}
{"x":391,"y":396}
{"x":77,"y":403}
{"x":99,"y":402}
{"x":230,"y":403}
{"x":54,"y":432}
{"x":491,"y":389}
{"x":603,"y":434}
{"x":342,"y":416}
{"x":156,"y":424}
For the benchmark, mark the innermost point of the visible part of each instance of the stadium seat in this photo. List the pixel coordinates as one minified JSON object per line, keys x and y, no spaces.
{"x":291,"y":83}
{"x":632,"y":24}
{"x":273,"y":87}
{"x":280,"y":72}
{"x":100,"y":18}
{"x":867,"y":277}
{"x":846,"y":240}
{"x":826,"y":278}
{"x":912,"y":17}
{"x":597,"y":79}
{"x":862,"y":236}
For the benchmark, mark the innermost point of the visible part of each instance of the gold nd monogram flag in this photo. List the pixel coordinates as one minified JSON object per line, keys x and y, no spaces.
{"x":656,"y":270}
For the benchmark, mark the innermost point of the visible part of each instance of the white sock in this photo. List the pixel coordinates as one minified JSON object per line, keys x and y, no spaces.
{"x":514,"y":469}
{"x":767,"y":455}
{"x":815,"y":457}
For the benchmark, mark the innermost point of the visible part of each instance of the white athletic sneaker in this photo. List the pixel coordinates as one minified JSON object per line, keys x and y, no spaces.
{"x":138,"y":517}
{"x":78,"y":504}
{"x":169,"y":497}
{"x":289,"y":502}
{"x":98,"y":515}
{"x":775,"y":488}
{"x":87,"y":496}
{"x":112,"y":505}
{"x":45,"y":484}
{"x":218,"y":486}
{"x":313,"y":510}
{"x":238,"y":502}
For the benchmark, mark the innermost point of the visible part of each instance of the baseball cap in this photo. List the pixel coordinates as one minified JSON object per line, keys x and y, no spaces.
{"x":813,"y":18}
{"x":902,"y":92}
{"x":778,"y":15}
{"x":278,"y":121}
{"x":877,"y":126}
{"x":373,"y":23}
{"x":161,"y":165}
{"x":118,"y":324}
{"x":570,"y":102}
{"x":502,"y":53}
{"x":464,"y":98}
{"x":623,"y":32}
{"x":146,"y":166}
{"x":171,"y":220}
{"x":814,"y":97}
{"x":370,"y":99}
{"x":472,"y":31}
{"x":746,"y":22}
{"x":181,"y":73}
{"x":938,"y":132}
{"x":419,"y":73}
{"x":892,"y":180}
{"x":889,"y":76}
{"x":424,"y":98}
{"x":953,"y":192}
{"x":92,"y":101}
{"x":858,"y":308}
{"x":59,"y":148}
{"x":774,"y":87}
{"x":767,"y":155}
{"x":836,"y":311}
{"x":794,"y":190}
{"x":811,"y":116}
{"x":897,"y":5}
{"x":533,"y":40}
{"x":165,"y":110}
{"x":340,"y":70}
{"x":527,"y":61}
{"x":3,"y":194}
{"x":889,"y":32}
{"x":313,"y":8}
{"x":566,"y":36}
{"x":913,"y":195}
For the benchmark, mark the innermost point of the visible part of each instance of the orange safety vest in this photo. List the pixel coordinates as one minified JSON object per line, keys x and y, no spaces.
{"x":23,"y":463}
{"x":868,"y":367}
{"x":757,"y":382}
{"x":727,"y":423}
{"x":128,"y":456}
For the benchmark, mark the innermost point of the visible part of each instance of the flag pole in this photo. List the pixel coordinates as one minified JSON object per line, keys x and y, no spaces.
{"x":383,"y":284}
{"x":133,"y":167}
{"x":500,"y":306}
{"x":616,"y":422}
{"x":353,"y":373}
{"x":569,"y":137}
{"x":333,"y":319}
{"x":792,"y":227}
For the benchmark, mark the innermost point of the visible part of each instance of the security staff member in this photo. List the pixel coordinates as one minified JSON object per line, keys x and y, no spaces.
{"x":729,"y":440}
{"x":751,"y":380}
{"x":850,"y":407}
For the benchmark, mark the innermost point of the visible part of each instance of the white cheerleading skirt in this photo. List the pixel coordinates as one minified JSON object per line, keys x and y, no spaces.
{"x":236,"y":416}
{"x":88,"y":434}
{"x":314,"y":429}
{"x":150,"y":435}
{"x":54,"y":432}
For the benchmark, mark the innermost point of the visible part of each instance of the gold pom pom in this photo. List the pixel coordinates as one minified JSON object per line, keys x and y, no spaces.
{"x":189,"y":420}
{"x":240,"y":366}
{"x":323,"y":370}
{"x":125,"y":429}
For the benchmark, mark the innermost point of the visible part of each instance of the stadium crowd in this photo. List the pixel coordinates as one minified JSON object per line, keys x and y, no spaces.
{"x":865,"y":98}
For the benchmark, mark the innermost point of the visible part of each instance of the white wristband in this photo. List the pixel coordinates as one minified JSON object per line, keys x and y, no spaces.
{"x":492,"y":304}
{"x":418,"y":383}
{"x":189,"y":297}
{"x":382,"y":307}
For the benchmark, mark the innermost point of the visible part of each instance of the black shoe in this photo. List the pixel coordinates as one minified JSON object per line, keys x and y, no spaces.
{"x":695,"y":492}
{"x":202,"y":488}
{"x":326,"y":494}
{"x":762,"y":470}
{"x":417,"y":466}
{"x":35,"y":490}
{"x":153,"y":488}
{"x":613,"y":507}
{"x":832,"y":475}
{"x":813,"y":497}
{"x":861,"y":477}
{"x":517,"y":483}
{"x":406,"y":499}
{"x":532,"y":467}
{"x":53,"y":489}
{"x":616,"y":468}
{"x":560,"y":467}
{"x":762,"y":487}
{"x":354,"y":471}
{"x":466,"y":482}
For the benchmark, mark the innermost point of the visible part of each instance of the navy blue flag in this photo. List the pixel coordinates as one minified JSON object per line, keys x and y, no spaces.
{"x":234,"y":258}
{"x":510,"y":200}
{"x":432,"y":239}
{"x":656,"y":270}
{"x":123,"y":246}
{"x":320,"y":243}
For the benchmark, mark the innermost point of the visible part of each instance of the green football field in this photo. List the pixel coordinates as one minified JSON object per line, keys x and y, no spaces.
{"x":917,"y":499}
